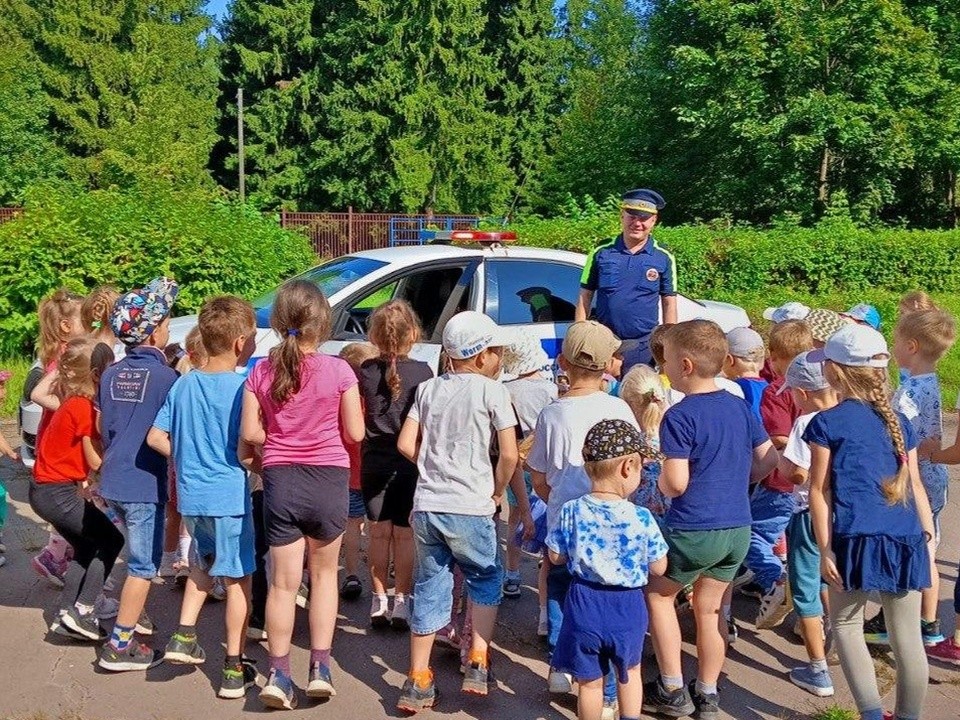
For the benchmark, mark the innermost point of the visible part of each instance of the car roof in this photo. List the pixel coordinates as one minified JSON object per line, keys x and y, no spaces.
{"x":410,"y":254}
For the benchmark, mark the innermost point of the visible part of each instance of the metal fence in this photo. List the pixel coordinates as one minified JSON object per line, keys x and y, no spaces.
{"x":8,"y":213}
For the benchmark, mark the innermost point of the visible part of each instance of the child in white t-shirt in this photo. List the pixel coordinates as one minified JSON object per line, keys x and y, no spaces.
{"x":812,"y":393}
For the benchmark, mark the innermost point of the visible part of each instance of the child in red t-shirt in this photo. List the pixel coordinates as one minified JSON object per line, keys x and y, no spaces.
{"x":68,"y":451}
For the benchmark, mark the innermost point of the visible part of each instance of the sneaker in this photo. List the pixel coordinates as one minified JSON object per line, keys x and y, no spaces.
{"x":321,"y":684}
{"x":379,"y":611}
{"x":559,"y":683}
{"x":875,"y":630}
{"x":413,"y":698}
{"x":48,"y":568}
{"x":752,"y":589}
{"x":475,"y":679}
{"x":183,"y":650}
{"x":83,"y":625}
{"x":106,"y":608}
{"x":351,"y":588}
{"x":400,"y":617}
{"x":237,"y":679}
{"x":733,"y":632}
{"x":447,"y":636}
{"x":818,"y":683}
{"x":256,"y":631}
{"x":931,"y":632}
{"x":947,"y":651}
{"x":672,"y":703}
{"x":135,"y":656}
{"x":610,"y":709}
{"x":511,"y":587}
{"x":168,"y":565}
{"x":217,"y":591}
{"x":543,"y":626}
{"x":773,"y":607}
{"x":303,"y":596}
{"x":708,"y":706}
{"x":279,"y":692}
{"x":144,"y":625}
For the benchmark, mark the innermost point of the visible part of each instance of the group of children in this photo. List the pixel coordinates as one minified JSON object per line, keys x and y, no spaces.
{"x":785,"y":468}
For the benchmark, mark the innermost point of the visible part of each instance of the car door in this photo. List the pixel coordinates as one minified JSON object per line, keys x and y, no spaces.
{"x":435,"y":290}
{"x":537,"y":294}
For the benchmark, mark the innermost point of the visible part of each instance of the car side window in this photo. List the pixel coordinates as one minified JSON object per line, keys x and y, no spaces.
{"x":520,"y":292}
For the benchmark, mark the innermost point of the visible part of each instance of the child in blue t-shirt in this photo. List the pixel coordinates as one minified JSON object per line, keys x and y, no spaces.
{"x":199,"y":425}
{"x":743,"y":365}
{"x":714,"y":446}
{"x":609,"y":546}
{"x":871,"y":518}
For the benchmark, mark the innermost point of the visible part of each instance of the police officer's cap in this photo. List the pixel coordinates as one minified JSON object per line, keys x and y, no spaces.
{"x":642,"y":202}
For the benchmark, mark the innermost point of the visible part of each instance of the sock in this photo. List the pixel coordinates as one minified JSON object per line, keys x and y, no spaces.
{"x":670,"y":682}
{"x":399,"y":597}
{"x":704,"y":689}
{"x":183,"y":548}
{"x":281,"y":664}
{"x":479,"y":657}
{"x":818,"y":665}
{"x":319,"y":656}
{"x":83,"y":609}
{"x":232,"y":661}
{"x":187,"y":632}
{"x":422,"y":678}
{"x":121,"y":636}
{"x":726,"y":610}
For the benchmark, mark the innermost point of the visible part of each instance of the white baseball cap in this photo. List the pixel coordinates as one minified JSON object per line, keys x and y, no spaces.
{"x":787,"y":311}
{"x":469,"y":333}
{"x":743,"y":341}
{"x":855,"y":345}
{"x":525,"y":354}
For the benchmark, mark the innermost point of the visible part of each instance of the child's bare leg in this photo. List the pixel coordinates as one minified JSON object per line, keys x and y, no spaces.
{"x":513,"y":552}
{"x":402,"y":539}
{"x":664,"y":625}
{"x":725,"y":605}
{"x":630,"y":693}
{"x":286,"y":574}
{"x":378,"y":555}
{"x":590,"y":699}
{"x":324,"y":599}
{"x":930,"y":597}
{"x":239,"y":591}
{"x":351,"y":546}
{"x":484,"y":620}
{"x":171,"y":529}
{"x":194,"y":595}
{"x":420,"y":648}
{"x":711,"y":647}
{"x":813,"y":637}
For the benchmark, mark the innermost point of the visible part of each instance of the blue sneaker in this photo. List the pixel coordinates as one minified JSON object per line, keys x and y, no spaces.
{"x":930,"y":630}
{"x":279,"y":692}
{"x":875,"y":630}
{"x":819,"y":683}
{"x":321,"y":684}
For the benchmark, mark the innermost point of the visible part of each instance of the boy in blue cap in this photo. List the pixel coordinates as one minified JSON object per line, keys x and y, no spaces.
{"x":632,"y":278}
{"x":134,"y":476}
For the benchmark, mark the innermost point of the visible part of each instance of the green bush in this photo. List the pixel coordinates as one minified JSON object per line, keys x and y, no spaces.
{"x":83,"y":239}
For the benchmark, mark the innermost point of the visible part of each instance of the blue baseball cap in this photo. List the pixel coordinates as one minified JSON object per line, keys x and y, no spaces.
{"x":642,"y":202}
{"x":864,"y":314}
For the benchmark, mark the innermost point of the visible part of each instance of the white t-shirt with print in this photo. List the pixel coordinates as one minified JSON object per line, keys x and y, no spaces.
{"x":557,"y":450}
{"x":918,"y":398}
{"x":458,"y":415}
{"x":798,"y":452}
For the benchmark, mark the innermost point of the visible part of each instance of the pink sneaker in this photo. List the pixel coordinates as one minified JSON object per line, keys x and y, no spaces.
{"x":48,"y":568}
{"x":449,"y":636}
{"x":946,"y":651}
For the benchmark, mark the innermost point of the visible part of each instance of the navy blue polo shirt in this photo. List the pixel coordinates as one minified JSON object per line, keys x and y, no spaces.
{"x":628,"y":286}
{"x":131,"y":393}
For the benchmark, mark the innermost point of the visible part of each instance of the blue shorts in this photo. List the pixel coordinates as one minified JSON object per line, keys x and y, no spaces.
{"x":357,"y":508}
{"x":143,"y":526}
{"x":222,"y":546}
{"x":803,"y":566}
{"x":602,"y":626}
{"x":440,"y":540}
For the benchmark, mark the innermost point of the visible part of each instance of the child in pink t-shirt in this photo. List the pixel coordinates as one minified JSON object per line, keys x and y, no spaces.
{"x":301,"y":405}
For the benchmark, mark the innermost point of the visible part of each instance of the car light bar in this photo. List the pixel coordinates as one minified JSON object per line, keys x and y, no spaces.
{"x":484,"y":237}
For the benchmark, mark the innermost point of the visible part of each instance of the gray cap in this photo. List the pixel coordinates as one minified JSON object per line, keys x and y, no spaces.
{"x":743,"y":341}
{"x":805,"y":373}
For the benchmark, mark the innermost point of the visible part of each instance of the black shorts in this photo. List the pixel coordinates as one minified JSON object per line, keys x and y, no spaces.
{"x":388,"y":489}
{"x":304,"y":501}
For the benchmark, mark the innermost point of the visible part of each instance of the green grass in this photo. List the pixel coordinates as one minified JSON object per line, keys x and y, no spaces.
{"x":14,"y":387}
{"x":835,"y":712}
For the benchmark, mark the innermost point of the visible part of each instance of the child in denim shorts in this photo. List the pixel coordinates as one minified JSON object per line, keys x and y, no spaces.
{"x":448,"y":433}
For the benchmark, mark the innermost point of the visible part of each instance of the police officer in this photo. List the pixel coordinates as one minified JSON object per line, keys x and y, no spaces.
{"x":632,"y":278}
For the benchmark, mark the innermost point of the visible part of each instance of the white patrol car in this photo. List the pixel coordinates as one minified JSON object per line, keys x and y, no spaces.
{"x":517,"y":286}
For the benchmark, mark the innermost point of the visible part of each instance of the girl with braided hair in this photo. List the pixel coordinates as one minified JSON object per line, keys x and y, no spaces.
{"x":871,"y":518}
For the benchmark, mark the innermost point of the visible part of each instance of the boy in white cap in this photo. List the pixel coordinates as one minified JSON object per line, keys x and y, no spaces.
{"x":448,"y":431}
{"x":743,"y":364}
{"x":812,"y":393}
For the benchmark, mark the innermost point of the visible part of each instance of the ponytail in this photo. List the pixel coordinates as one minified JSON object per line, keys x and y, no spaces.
{"x":393,"y":378}
{"x":394,"y":328}
{"x":301,"y":315}
{"x":286,"y":359}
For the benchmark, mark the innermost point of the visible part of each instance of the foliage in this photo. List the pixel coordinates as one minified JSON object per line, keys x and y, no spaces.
{"x":125,"y":238}
{"x":19,"y":366}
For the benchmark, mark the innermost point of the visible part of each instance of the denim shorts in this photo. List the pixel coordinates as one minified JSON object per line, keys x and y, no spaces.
{"x":143,"y":523}
{"x":440,"y":541}
{"x":356,"y":509}
{"x":222,"y":546}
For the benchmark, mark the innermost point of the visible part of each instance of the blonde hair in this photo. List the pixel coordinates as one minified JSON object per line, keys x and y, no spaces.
{"x":914,"y":301}
{"x":356,"y":354}
{"x":96,"y":308}
{"x":394,"y":328}
{"x":703,"y":342}
{"x":790,"y":338}
{"x":76,"y":374}
{"x":642,"y":389}
{"x":600,"y":469}
{"x":196,"y":354}
{"x":871,"y":386}
{"x":60,"y":306}
{"x":933,"y":329}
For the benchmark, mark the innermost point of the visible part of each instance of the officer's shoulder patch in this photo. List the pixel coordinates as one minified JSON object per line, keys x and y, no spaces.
{"x":653,"y":274}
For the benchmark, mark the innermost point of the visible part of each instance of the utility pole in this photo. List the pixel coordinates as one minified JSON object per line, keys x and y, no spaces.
{"x":243,"y":177}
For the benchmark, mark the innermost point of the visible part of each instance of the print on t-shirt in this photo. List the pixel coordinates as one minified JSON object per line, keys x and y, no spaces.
{"x":130,"y":385}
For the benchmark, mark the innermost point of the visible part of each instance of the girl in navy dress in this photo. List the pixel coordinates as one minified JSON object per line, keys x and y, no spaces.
{"x":871,"y":518}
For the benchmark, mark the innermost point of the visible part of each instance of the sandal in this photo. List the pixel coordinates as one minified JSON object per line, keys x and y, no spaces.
{"x":351,"y":588}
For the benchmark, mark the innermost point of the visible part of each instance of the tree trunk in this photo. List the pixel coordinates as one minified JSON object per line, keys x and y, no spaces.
{"x":823,"y":181}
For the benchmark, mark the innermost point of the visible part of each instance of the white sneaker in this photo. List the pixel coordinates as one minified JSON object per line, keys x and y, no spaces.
{"x":559,"y":683}
{"x":168,"y":565}
{"x":773,"y":607}
{"x":106,"y":607}
{"x":543,"y":626}
{"x":379,"y":611}
{"x":400,"y":617}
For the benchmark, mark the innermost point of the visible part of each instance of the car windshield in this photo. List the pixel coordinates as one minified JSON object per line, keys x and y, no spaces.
{"x":331,"y":277}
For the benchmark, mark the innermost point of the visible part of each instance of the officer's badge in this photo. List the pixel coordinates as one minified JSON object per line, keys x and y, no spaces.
{"x":653,"y":274}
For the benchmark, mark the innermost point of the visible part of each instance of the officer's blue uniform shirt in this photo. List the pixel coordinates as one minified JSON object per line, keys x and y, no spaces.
{"x":628,"y":286}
